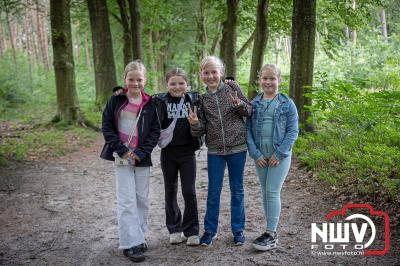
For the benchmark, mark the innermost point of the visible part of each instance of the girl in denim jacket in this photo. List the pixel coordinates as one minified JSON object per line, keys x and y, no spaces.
{"x":271,"y":132}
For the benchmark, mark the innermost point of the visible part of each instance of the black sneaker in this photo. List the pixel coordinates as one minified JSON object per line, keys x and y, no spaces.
{"x":266,"y":241}
{"x":239,"y":238}
{"x":135,"y":254}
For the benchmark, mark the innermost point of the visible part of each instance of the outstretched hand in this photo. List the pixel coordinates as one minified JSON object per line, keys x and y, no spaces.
{"x":192,"y":118}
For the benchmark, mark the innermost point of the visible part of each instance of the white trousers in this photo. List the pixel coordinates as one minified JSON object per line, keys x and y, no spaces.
{"x":132,"y":204}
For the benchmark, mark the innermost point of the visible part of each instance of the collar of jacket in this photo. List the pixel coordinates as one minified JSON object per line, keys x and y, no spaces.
{"x":220,"y":87}
{"x":193,"y":96}
{"x":281,"y":98}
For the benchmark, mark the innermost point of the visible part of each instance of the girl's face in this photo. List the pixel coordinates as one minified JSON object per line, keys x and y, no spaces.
{"x":211,"y":76}
{"x":176,"y":86}
{"x":269,"y":82}
{"x":135,"y":81}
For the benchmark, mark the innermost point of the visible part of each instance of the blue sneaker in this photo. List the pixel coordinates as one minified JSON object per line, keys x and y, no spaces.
{"x":239,"y":238}
{"x":207,"y":239}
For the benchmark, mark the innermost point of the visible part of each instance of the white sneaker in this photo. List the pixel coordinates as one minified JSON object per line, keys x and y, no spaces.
{"x":176,"y":238}
{"x":193,"y":240}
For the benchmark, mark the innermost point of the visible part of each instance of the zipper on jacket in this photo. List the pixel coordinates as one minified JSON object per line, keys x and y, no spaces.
{"x":142,"y":126}
{"x":222,"y":125}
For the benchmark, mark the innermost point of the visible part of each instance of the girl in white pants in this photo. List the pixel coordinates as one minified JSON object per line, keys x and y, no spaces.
{"x":131,"y":130}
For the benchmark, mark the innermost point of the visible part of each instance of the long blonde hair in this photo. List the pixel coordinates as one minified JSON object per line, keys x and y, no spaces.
{"x":135,"y":65}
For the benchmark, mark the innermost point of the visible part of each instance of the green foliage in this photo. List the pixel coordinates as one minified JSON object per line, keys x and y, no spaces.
{"x":358,"y":139}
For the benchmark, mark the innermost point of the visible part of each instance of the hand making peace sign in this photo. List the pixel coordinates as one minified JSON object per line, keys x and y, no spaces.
{"x":192,"y":118}
{"x":235,"y":99}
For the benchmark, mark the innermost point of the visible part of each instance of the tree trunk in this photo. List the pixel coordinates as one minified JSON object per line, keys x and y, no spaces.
{"x":230,"y":38}
{"x":201,"y":43}
{"x":77,"y":46}
{"x":278,"y":44}
{"x":87,"y":52}
{"x":150,"y":58}
{"x":222,"y":43}
{"x":2,"y":44}
{"x":302,"y":58}
{"x":216,"y":39}
{"x":287,"y":49}
{"x":127,"y":50}
{"x":67,"y":100}
{"x":246,"y":45}
{"x":104,"y":66}
{"x":260,"y":42}
{"x":34,"y":35}
{"x":382,"y":16}
{"x":28,"y":35}
{"x":45,"y":36}
{"x":11,"y":40}
{"x":41,"y":34}
{"x":354,"y":32}
{"x":159,"y":61}
{"x":136,"y":30}
{"x":346,"y":33}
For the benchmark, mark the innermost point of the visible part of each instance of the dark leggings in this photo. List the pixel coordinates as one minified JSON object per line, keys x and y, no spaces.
{"x":171,"y":164}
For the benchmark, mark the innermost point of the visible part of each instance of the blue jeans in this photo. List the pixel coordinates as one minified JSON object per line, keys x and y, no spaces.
{"x":216,"y":169}
{"x":271,"y":182}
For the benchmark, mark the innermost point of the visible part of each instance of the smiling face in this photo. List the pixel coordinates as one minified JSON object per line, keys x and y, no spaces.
{"x":211,"y":76}
{"x":269,"y":82}
{"x":135,"y":81}
{"x":176,"y":86}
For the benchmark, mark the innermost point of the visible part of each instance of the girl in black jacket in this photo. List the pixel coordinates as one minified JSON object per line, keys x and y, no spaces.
{"x":179,"y":156}
{"x":131,"y":130}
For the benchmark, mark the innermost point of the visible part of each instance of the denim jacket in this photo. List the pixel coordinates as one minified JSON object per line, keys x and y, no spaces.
{"x":285,"y":125}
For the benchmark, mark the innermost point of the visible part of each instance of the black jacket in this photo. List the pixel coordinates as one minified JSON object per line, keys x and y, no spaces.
{"x":182,"y":135}
{"x":148,"y":130}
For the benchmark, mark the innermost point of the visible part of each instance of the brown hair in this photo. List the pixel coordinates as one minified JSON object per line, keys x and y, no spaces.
{"x":176,"y":72}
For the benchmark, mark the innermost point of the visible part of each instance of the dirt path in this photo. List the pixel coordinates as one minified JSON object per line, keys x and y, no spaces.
{"x":62,"y":212}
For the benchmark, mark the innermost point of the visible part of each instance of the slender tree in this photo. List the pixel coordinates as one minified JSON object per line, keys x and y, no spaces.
{"x":201,"y":42}
{"x":302,"y":57}
{"x":67,"y":100}
{"x":12,"y":37}
{"x":246,"y":45}
{"x":2,"y":42}
{"x":127,"y":39}
{"x":136,"y":30}
{"x":217,"y":39}
{"x":228,"y":43}
{"x":104,"y":66}
{"x":87,"y":52}
{"x":260,"y":42}
{"x":382,"y":16}
{"x":41,"y":36}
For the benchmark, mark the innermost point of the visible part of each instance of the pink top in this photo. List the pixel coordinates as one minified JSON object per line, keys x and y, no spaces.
{"x":127,"y":118}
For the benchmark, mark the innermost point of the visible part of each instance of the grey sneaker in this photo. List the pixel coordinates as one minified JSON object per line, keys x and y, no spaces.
{"x":176,"y":238}
{"x":193,"y":240}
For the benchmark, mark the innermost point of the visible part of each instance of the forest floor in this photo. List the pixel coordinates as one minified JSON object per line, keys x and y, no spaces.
{"x":61,"y":211}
